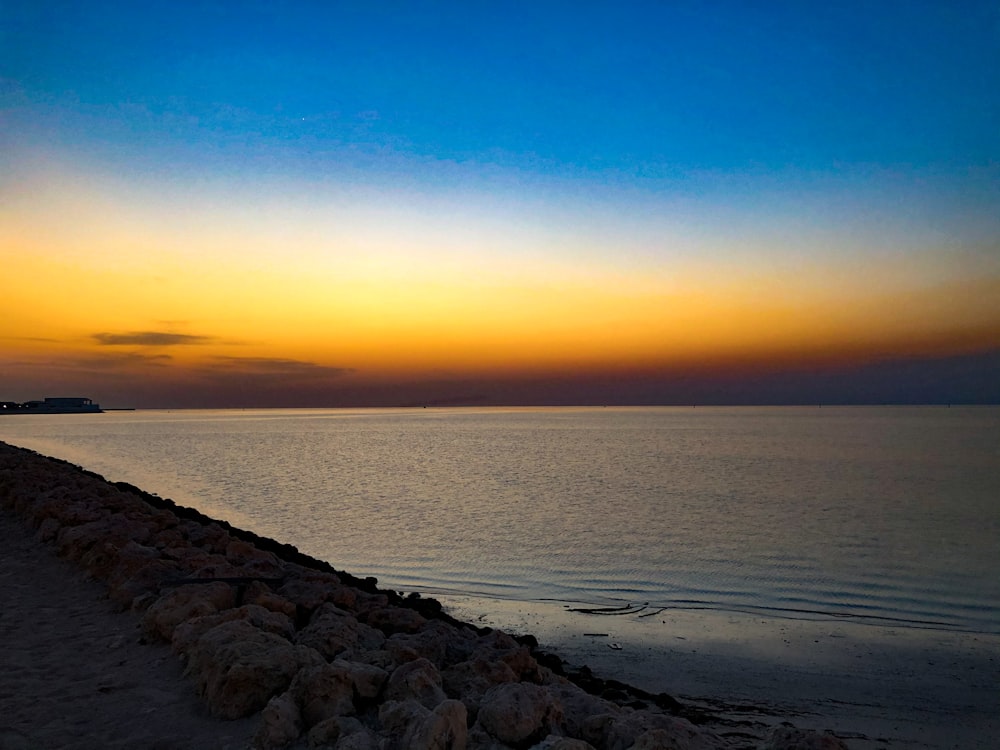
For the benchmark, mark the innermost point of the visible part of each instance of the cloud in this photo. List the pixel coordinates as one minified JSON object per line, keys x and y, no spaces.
{"x":278,"y":367}
{"x":34,"y":339}
{"x":150,"y":338}
{"x":81,"y":364}
{"x":123,"y":359}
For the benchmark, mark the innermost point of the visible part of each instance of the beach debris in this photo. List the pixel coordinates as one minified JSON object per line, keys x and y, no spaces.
{"x":654,"y":612}
{"x":615,"y":646}
{"x":628,"y":609}
{"x":596,"y":635}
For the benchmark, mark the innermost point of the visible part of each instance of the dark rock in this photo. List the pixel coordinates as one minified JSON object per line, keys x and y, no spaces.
{"x":332,"y":631}
{"x":417,"y":680}
{"x":239,"y":668}
{"x":519,"y":714}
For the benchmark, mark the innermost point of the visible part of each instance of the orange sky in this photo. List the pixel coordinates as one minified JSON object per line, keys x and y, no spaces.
{"x":107,"y":281}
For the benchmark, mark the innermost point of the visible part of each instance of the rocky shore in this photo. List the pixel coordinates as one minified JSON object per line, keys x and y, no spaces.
{"x":319,"y":658}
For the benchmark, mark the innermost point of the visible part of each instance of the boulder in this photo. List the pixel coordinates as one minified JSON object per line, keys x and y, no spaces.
{"x":239,"y":668}
{"x":74,"y":541}
{"x":258,"y":592}
{"x":280,"y":724}
{"x":367,"y":679}
{"x":408,"y":724}
{"x":48,"y":529}
{"x":185,"y":603}
{"x":329,"y":731}
{"x":519,"y":713}
{"x":114,"y":564}
{"x":395,"y":619}
{"x":363,"y":740}
{"x":790,"y":738}
{"x":418,"y":680}
{"x":552,"y":742}
{"x":468,"y":681}
{"x":142,"y":584}
{"x":655,"y":731}
{"x":436,"y":641}
{"x":332,"y":630}
{"x":211,"y":537}
{"x":187,"y":633}
{"x":323,"y":691}
{"x":309,"y":592}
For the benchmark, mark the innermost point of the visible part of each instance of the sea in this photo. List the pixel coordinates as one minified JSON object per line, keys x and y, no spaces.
{"x":710,"y":519}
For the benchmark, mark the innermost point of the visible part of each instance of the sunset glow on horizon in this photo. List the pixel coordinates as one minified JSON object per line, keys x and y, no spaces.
{"x":263,"y":208}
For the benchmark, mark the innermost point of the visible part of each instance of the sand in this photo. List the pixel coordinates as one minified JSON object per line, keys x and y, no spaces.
{"x":74,"y":672}
{"x":873,"y":686}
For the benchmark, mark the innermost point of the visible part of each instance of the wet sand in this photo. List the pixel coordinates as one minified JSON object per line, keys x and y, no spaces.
{"x":874,"y":686}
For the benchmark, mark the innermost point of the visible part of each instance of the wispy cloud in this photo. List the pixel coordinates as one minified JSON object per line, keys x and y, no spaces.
{"x":99,"y":362}
{"x":279,"y":367}
{"x":150,"y":338}
{"x":122,"y":359}
{"x":35,"y":339}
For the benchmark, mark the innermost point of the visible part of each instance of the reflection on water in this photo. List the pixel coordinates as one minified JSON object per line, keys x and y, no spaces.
{"x":888,"y":515}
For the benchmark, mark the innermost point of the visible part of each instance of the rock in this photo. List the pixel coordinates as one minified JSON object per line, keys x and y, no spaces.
{"x":74,"y":541}
{"x":418,"y":680}
{"x":117,"y":564}
{"x":498,"y":645}
{"x":578,"y":706}
{"x":654,"y":731}
{"x":329,"y":731}
{"x":409,"y":725}
{"x":309,"y":592}
{"x":252,"y":561}
{"x":519,"y":713}
{"x":444,"y":729}
{"x":363,"y":740}
{"x":323,"y":691}
{"x":258,"y":592}
{"x":436,"y":641}
{"x":185,"y":603}
{"x":280,"y":723}
{"x":522,"y":663}
{"x":552,"y":742}
{"x":332,"y":630}
{"x":399,"y":719}
{"x":789,"y":738}
{"x":48,"y":530}
{"x":367,"y":679}
{"x":142,"y":584}
{"x":187,"y":633}
{"x":211,"y":537}
{"x":395,"y":620}
{"x":469,"y":680}
{"x":239,"y":668}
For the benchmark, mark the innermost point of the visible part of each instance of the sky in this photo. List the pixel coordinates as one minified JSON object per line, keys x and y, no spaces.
{"x":240,"y":204}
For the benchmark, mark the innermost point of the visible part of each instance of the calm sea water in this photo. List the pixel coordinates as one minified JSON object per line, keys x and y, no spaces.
{"x":881,"y":515}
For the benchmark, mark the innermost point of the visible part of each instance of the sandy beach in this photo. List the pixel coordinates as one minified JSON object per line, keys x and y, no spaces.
{"x":87,"y":665}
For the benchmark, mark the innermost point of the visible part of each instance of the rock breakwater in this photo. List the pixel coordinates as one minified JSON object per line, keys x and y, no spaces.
{"x":326,"y":659}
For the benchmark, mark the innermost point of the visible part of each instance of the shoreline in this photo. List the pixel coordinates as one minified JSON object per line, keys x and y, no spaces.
{"x":729,"y":723}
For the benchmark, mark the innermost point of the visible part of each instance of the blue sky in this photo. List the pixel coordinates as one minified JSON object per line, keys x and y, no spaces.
{"x":646,"y":90}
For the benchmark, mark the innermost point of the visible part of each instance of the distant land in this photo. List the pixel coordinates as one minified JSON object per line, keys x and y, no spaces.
{"x":965,"y":379}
